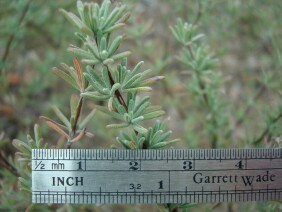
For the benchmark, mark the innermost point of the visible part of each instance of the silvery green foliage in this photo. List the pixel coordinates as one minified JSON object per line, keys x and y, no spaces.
{"x":185,"y":33}
{"x":96,"y":23}
{"x":65,"y":129}
{"x":156,"y":138}
{"x":201,"y":61}
{"x":125,"y":80}
{"x":196,"y":56}
{"x":110,"y":80}
{"x":25,"y":147}
{"x":72,"y":129}
{"x":95,"y":19}
{"x":24,"y":156}
{"x":204,"y":81}
{"x":136,"y":112}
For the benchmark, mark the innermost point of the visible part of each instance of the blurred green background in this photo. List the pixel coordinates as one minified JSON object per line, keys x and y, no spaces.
{"x":244,"y":35}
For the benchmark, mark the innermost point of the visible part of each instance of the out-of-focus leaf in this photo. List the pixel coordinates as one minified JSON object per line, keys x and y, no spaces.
{"x":163,"y":144}
{"x":57,"y":129}
{"x":61,"y":116}
{"x":123,"y":125}
{"x":65,"y":77}
{"x":22,"y":146}
{"x":154,"y":114}
{"x":60,"y":125}
{"x":73,"y":19}
{"x":121,"y":55}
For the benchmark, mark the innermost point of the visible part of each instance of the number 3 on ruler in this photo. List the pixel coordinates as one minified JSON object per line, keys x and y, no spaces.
{"x":187,"y":165}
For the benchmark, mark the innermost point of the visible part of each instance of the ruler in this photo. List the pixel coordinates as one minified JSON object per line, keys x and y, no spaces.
{"x":89,"y":176}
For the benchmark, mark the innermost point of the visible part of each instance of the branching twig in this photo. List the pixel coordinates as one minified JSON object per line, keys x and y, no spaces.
{"x":266,"y":131}
{"x":181,"y":112}
{"x":117,"y":92}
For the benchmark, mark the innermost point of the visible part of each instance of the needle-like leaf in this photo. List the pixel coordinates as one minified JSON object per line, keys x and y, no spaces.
{"x":66,"y":77}
{"x":57,"y":129}
{"x":61,"y":116}
{"x":79,"y":73}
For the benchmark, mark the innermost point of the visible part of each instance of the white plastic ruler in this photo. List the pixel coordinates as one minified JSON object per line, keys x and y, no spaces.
{"x":88,"y":176}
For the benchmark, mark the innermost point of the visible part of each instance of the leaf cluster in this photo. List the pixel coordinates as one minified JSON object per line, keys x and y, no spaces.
{"x":200,"y":61}
{"x":156,"y":138}
{"x":97,"y":20}
{"x":24,"y":155}
{"x":96,"y":23}
{"x":196,"y":56}
{"x":72,"y":129}
{"x":73,"y":76}
{"x":126,"y":81}
{"x":25,"y":147}
{"x":185,"y":33}
{"x":136,"y":112}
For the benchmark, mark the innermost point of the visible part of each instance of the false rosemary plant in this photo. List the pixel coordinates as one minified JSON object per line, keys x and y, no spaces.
{"x":109,"y":79}
{"x":204,"y":82}
{"x":106,"y":78}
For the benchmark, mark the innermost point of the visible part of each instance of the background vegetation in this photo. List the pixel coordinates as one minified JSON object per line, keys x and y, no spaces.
{"x":243,"y":35}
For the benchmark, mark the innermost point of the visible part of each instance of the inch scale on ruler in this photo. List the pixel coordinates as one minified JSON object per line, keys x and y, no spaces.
{"x":84,"y":176}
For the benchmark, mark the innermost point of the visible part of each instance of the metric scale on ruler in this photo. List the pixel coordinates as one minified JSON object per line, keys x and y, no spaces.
{"x":83,"y":176}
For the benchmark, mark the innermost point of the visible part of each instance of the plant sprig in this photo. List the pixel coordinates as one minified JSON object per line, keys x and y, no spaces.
{"x":205,"y":82}
{"x":71,"y":129}
{"x":115,"y":84}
